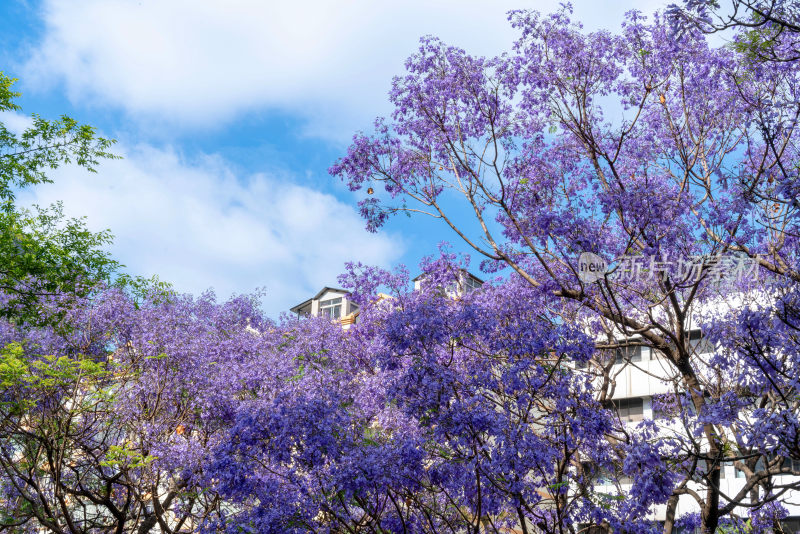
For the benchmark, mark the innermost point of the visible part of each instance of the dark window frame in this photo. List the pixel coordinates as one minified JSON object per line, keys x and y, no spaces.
{"x":331,"y":308}
{"x":630,"y":409}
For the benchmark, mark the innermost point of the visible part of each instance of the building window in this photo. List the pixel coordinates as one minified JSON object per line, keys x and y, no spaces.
{"x":791,"y":525}
{"x":699,"y":344}
{"x":629,"y":409}
{"x":791,"y":463}
{"x":737,"y":473}
{"x":630,"y":353}
{"x":331,"y":308}
{"x":701,"y":471}
{"x":787,"y":463}
{"x":470,"y":284}
{"x":723,"y":468}
{"x":593,"y":529}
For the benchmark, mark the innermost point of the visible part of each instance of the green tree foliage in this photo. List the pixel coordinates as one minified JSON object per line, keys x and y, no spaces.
{"x":42,"y":253}
{"x":46,"y":144}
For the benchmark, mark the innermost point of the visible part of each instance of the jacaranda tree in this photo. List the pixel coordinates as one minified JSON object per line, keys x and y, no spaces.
{"x":432,"y":414}
{"x":429,"y":415}
{"x":667,"y":165}
{"x":771,"y":28}
{"x":675,"y":164}
{"x":102,"y":428}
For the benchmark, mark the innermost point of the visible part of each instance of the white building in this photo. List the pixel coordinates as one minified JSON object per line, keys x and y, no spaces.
{"x":638,"y":374}
{"x":329,"y":302}
{"x":336,"y":304}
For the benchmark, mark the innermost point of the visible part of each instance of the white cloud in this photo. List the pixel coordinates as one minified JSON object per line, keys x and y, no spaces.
{"x":200,"y":63}
{"x":197,"y":62}
{"x":15,"y":122}
{"x":199,"y":225}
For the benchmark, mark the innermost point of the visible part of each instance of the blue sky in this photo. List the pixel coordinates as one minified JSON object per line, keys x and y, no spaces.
{"x":228,"y":114}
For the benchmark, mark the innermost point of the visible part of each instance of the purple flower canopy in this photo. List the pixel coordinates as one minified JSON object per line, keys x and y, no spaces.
{"x":470,"y":411}
{"x":674,"y":164}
